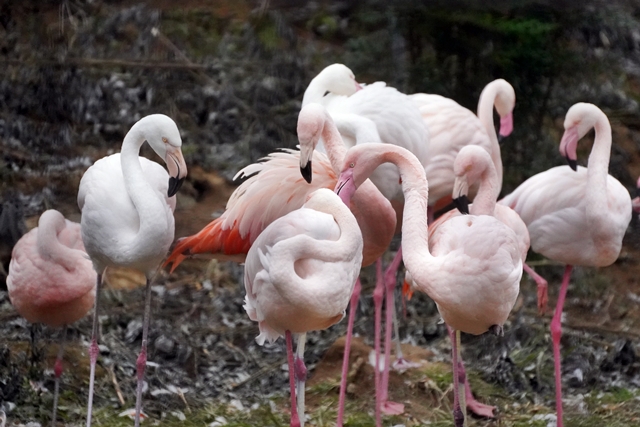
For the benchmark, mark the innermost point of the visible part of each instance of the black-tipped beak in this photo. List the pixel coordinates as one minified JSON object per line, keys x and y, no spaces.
{"x":174,"y":185}
{"x":462,"y":204}
{"x":306,"y":172}
{"x":573,"y":164}
{"x":501,"y":139}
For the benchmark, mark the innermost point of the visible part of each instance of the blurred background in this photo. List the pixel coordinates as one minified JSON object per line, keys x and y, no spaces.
{"x":76,"y":74}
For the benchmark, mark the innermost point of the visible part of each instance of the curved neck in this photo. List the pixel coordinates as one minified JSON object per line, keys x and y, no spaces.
{"x":333,"y":143}
{"x":147,"y":204}
{"x":598,"y":167}
{"x":315,"y":91}
{"x":301,"y":247}
{"x":49,"y":247}
{"x":485,"y":201}
{"x":485,"y":115}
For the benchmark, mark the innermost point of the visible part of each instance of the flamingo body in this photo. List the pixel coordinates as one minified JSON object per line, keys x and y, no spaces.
{"x":51,"y":279}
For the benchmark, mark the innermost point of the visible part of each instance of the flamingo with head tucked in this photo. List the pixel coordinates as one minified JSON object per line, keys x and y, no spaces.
{"x":51,"y":279}
{"x":127,"y":204}
{"x":470,"y":265}
{"x":575,"y":215}
{"x":299,"y":277}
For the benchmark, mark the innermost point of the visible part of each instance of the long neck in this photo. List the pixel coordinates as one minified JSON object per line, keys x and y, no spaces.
{"x":147,"y":204}
{"x":303,"y":247}
{"x":485,"y":201}
{"x":49,"y":247}
{"x":485,"y":114}
{"x":598,"y":171}
{"x":333,"y":144}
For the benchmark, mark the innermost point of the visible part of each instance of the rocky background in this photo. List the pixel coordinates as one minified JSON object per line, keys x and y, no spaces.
{"x":76,"y":74}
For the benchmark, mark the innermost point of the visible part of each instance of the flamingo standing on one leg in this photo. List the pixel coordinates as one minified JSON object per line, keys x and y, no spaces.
{"x":51,"y":279}
{"x":575,"y":215}
{"x":127,"y":204}
{"x":377,"y":113}
{"x":469,"y":265}
{"x":299,"y":277}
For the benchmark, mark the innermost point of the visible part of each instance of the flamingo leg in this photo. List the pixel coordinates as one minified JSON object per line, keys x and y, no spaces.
{"x":388,"y":407}
{"x":295,"y":420}
{"x":301,"y":376}
{"x":473,"y":405}
{"x":93,"y":348}
{"x":459,"y":417}
{"x":377,"y":303}
{"x":543,"y":297}
{"x":141,"y":363}
{"x":57,"y":370}
{"x":353,"y":305}
{"x":556,"y":334}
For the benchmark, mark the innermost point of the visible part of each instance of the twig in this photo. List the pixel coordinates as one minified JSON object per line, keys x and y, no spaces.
{"x":114,"y":380}
{"x":184,"y":399}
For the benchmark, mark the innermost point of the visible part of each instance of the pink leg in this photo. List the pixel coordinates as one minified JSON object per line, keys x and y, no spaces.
{"x":458,"y":415}
{"x":353,"y":305}
{"x":472,"y":404}
{"x":93,"y":349}
{"x":141,"y":364}
{"x":295,"y":420}
{"x":543,"y":297}
{"x":390,"y":408}
{"x":378,"y":294}
{"x":556,"y":333}
{"x":57,"y":370}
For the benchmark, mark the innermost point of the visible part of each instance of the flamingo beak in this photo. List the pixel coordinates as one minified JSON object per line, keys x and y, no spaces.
{"x":506,"y":126}
{"x":346,"y":187}
{"x":569,"y":146}
{"x":358,"y":86}
{"x":306,"y":170}
{"x":460,"y":199}
{"x":177,"y":169}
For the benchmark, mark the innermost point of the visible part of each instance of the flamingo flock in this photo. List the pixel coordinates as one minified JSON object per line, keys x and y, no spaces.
{"x":372,"y":162}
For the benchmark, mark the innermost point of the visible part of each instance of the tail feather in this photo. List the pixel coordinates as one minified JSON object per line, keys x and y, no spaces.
{"x":212,"y":239}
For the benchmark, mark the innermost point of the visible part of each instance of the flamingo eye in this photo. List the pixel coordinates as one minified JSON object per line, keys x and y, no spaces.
{"x":351,"y":165}
{"x":165,"y":140}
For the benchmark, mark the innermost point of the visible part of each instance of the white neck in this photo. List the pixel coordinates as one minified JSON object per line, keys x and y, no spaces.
{"x":485,"y":201}
{"x":485,"y":114}
{"x":316,"y":90}
{"x":150,"y":208}
{"x":598,"y":171}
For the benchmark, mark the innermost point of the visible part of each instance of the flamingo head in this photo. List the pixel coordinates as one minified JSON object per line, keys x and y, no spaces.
{"x":471,"y":164}
{"x":162,"y":134}
{"x":505,"y":102}
{"x":580,"y":119}
{"x":339,"y":80}
{"x":310,"y":125}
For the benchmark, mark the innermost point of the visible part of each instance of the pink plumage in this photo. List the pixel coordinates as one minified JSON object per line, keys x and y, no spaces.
{"x":51,"y":279}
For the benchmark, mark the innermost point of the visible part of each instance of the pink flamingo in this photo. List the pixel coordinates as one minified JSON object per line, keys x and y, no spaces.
{"x":127,"y":204}
{"x":474,"y":165}
{"x":51,"y":279}
{"x":377,"y":113}
{"x":275,"y":188}
{"x":299,"y":276}
{"x":452,"y":127}
{"x":575,"y":215}
{"x":469,"y":265}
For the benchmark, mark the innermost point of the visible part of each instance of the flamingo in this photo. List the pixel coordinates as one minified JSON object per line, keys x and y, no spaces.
{"x":275,"y":188}
{"x":377,"y":113}
{"x":452,"y":127}
{"x":299,"y":276}
{"x":51,"y":279}
{"x":474,"y":165}
{"x":470,"y":265}
{"x":575,"y":215}
{"x":127,"y":204}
